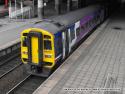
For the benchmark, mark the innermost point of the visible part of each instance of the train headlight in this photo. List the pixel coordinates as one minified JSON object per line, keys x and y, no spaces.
{"x":48,"y":56}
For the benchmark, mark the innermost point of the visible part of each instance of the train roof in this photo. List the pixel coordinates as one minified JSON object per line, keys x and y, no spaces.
{"x":74,"y":16}
{"x":56,"y":24}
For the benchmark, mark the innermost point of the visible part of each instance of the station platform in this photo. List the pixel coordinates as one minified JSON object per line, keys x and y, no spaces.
{"x":10,"y":31}
{"x":96,"y":67}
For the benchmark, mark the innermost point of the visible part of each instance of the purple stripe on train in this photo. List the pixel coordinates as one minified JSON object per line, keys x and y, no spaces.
{"x":86,"y":30}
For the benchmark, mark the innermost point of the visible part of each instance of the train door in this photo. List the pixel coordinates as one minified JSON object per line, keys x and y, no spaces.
{"x":69,"y":37}
{"x":77,"y":25}
{"x":67,"y":42}
{"x":72,"y":33}
{"x":35,"y":48}
{"x":64,"y":44}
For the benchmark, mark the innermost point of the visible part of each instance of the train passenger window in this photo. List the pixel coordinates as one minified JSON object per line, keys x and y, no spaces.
{"x":96,"y":19}
{"x":87,"y":25}
{"x":24,"y":42}
{"x":72,"y":32}
{"x":78,"y":31}
{"x":98,"y":16}
{"x":82,"y":28}
{"x":47,"y":45}
{"x":72,"y":35}
{"x":58,"y":46}
{"x":91,"y":22}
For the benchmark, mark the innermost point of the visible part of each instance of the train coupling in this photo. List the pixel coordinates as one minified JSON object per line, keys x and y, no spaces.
{"x":38,"y":71}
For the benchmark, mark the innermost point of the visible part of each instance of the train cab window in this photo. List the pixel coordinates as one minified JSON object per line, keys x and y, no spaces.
{"x":47,"y":37}
{"x":24,"y":34}
{"x":47,"y":45}
{"x":24,"y":42}
{"x":93,"y":22}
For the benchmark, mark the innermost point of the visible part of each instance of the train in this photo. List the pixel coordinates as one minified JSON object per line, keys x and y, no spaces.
{"x":48,"y":42}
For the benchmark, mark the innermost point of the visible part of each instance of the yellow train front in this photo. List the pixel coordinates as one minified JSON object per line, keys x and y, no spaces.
{"x":48,"y":42}
{"x":37,"y":51}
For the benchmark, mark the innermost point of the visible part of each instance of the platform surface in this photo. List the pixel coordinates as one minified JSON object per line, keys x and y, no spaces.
{"x":98,"y":63}
{"x":10,"y":30}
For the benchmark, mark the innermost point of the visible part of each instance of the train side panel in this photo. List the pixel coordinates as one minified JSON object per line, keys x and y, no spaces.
{"x":67,"y":39}
{"x":58,"y":45}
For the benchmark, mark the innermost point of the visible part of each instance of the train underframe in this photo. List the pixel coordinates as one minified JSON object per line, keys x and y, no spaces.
{"x":38,"y":71}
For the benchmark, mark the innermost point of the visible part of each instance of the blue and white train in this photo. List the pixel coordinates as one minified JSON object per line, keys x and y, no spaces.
{"x":48,"y":42}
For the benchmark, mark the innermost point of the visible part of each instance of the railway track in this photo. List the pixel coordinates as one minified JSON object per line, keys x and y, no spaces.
{"x":11,"y":72}
{"x":28,"y":85}
{"x":13,"y":77}
{"x":8,"y":65}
